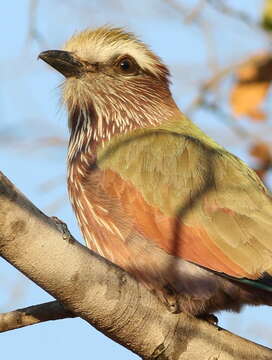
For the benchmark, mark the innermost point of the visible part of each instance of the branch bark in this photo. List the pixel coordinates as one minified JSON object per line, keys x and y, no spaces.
{"x":34,"y":314}
{"x":103,"y":294}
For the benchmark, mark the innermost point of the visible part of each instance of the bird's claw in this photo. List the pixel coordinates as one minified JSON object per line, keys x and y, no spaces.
{"x":210,"y":318}
{"x":63,"y":228}
{"x":169,"y":298}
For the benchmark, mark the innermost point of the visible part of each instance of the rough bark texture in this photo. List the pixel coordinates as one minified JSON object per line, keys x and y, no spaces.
{"x":104,"y":295}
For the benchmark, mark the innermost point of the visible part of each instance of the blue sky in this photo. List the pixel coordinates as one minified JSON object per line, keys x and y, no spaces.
{"x":31,"y":113}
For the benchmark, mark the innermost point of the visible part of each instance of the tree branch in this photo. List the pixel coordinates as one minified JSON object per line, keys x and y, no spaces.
{"x":35,"y":314}
{"x":103,"y":294}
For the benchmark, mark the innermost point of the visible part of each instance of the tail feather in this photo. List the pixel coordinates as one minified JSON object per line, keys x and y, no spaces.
{"x":264,"y":283}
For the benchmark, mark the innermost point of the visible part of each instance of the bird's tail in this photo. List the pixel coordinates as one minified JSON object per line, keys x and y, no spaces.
{"x":264,"y":283}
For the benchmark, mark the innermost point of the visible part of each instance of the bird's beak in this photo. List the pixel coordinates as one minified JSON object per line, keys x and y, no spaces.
{"x":63,"y":61}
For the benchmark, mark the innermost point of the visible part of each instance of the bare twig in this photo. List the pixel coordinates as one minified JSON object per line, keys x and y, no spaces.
{"x":228,"y":119}
{"x":52,"y":183}
{"x":33,"y":315}
{"x":211,"y":85}
{"x":33,"y":32}
{"x":194,"y":16}
{"x":195,"y":12}
{"x":221,"y":6}
{"x":177,"y":6}
{"x":56,"y":204}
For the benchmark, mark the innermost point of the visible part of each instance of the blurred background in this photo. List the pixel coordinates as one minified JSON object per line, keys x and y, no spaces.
{"x":220,"y":56}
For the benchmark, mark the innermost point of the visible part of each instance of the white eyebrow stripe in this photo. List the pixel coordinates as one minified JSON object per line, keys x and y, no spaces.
{"x":102,"y":44}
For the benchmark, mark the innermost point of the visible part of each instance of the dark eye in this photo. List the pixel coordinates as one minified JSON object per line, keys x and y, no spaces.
{"x":127,"y":66}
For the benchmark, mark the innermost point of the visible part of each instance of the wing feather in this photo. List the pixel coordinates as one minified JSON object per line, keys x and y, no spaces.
{"x":192,"y":198}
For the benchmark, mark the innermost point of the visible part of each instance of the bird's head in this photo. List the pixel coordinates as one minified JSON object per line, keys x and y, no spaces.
{"x":113,"y":82}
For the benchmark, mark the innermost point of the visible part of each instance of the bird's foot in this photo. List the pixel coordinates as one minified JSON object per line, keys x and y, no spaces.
{"x":210,"y":318}
{"x":63,"y":228}
{"x":169,"y":297}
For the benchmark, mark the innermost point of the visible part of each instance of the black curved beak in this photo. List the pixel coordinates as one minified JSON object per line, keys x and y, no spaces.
{"x":63,"y":61}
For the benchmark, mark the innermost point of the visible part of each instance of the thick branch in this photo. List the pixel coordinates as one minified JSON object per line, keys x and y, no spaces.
{"x":103,"y":294}
{"x":35,"y":314}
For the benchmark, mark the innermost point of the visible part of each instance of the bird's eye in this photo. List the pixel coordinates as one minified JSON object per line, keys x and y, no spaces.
{"x":127,"y":66}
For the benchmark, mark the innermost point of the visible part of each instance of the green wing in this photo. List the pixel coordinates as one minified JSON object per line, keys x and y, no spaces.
{"x":201,"y":197}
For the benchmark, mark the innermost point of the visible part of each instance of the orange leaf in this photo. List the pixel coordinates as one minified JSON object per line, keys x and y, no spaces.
{"x":262,"y":152}
{"x":247,"y":97}
{"x":249,"y":91}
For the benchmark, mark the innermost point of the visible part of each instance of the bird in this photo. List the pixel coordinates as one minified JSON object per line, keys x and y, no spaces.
{"x":151,"y":191}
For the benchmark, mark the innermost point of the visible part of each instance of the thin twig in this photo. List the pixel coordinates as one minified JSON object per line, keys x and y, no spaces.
{"x":221,"y":6}
{"x":228,"y":119}
{"x":33,"y":32}
{"x":31,"y":315}
{"x":195,"y":12}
